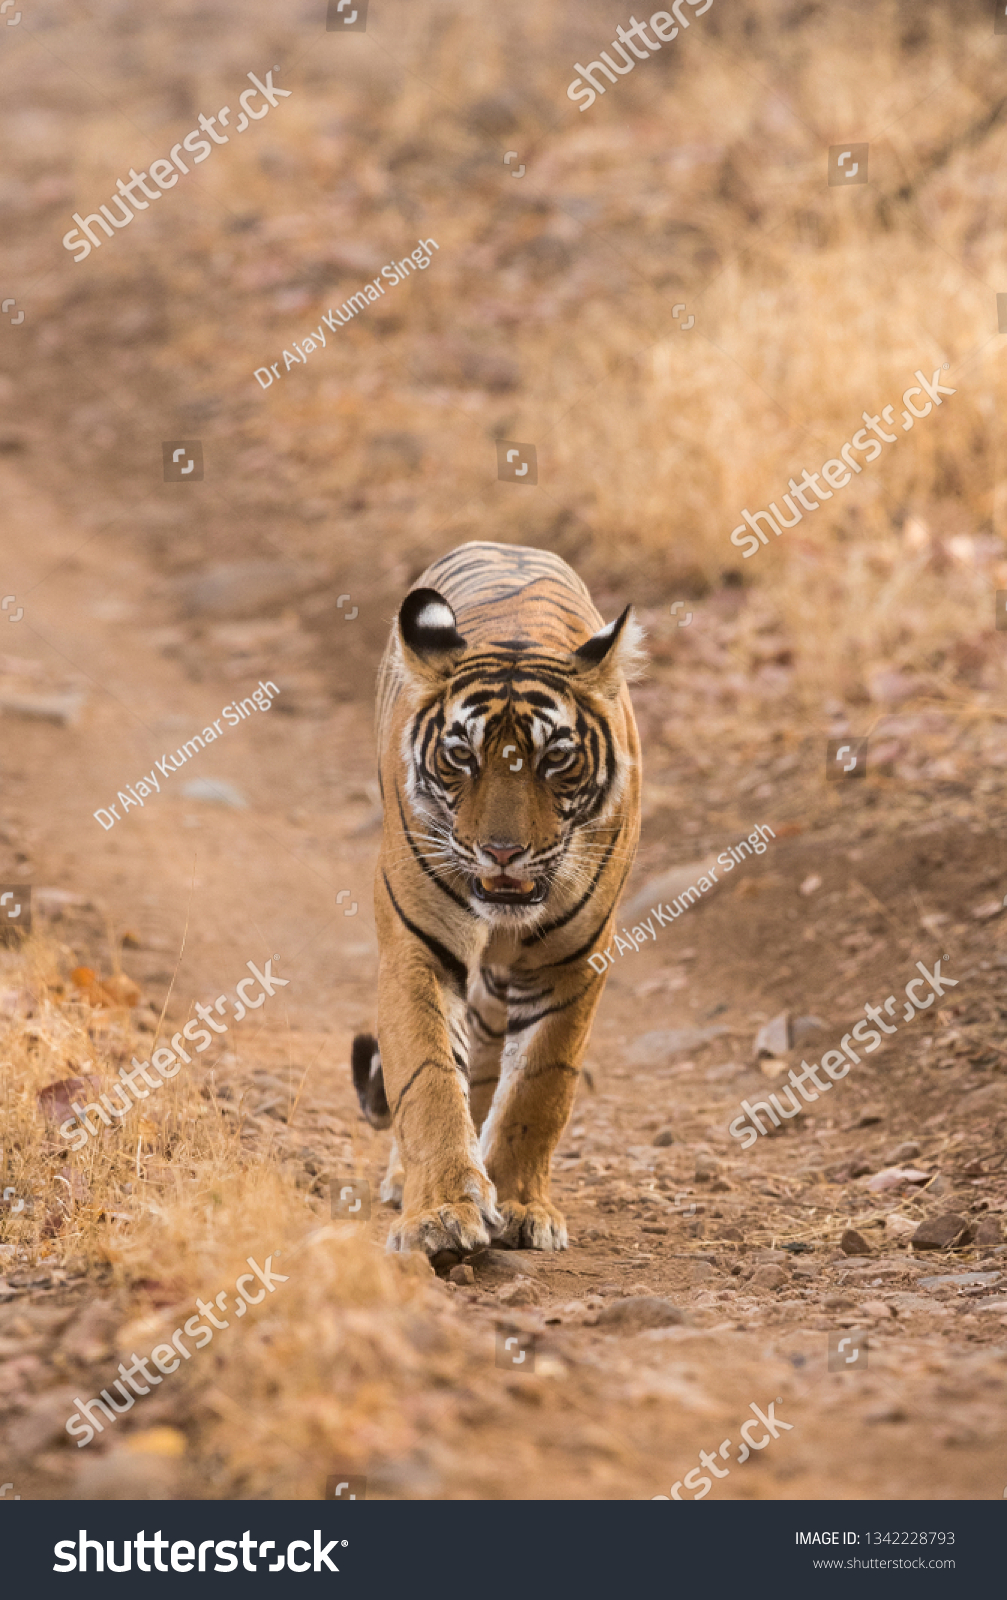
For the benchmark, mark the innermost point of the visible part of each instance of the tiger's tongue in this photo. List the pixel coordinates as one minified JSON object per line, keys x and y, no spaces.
{"x":515,"y":885}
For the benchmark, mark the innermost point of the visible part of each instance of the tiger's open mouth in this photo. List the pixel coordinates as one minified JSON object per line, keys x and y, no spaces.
{"x":501,"y":890}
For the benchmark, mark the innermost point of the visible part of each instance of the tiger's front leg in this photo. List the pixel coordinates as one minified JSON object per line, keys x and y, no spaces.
{"x":448,"y":1201}
{"x":538,"y":1083}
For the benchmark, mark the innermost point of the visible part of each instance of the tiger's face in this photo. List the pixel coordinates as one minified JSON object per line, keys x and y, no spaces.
{"x":513,"y":762}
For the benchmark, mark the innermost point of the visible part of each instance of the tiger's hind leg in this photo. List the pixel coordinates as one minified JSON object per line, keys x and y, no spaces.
{"x":487,"y":1018}
{"x":369,"y":1082}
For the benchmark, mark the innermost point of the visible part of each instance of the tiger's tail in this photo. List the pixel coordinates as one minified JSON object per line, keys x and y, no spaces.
{"x":368,"y":1080}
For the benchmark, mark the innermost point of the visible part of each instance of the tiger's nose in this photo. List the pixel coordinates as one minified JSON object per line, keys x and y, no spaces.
{"x":503,"y":853}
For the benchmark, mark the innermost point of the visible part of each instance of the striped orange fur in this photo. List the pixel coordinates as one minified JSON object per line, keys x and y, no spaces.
{"x":510,"y":776}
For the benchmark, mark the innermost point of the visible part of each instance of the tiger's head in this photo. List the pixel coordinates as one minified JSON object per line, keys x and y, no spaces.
{"x":515,"y":756}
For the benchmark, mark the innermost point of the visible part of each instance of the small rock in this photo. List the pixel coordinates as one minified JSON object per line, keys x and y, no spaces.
{"x":53,"y":902}
{"x":639,"y":1312}
{"x":502,"y":1264}
{"x":462,"y":1273}
{"x":54,"y":1099}
{"x":664,"y":1137}
{"x":63,"y":709}
{"x":773,"y":1038}
{"x":810,"y":884}
{"x":44,"y":1423}
{"x":654,"y":1049}
{"x":773,"y":1067}
{"x":854,"y":1244}
{"x":769,"y":1277}
{"x":899,"y":1227}
{"x":522,"y":1293}
{"x":958,"y":1279}
{"x":887,"y":1413}
{"x":703,"y":1269}
{"x":871,"y":1114}
{"x":732,"y":1233}
{"x":118,"y":990}
{"x":988,"y":1232}
{"x":895,"y":1177}
{"x":666,"y":886}
{"x":877,"y":1308}
{"x":837,"y":1302}
{"x":245,"y":588}
{"x":903,"y":1152}
{"x":575,"y":1308}
{"x":941,"y":1233}
{"x":989,"y":908}
{"x":707,"y":1167}
{"x":215,"y":791}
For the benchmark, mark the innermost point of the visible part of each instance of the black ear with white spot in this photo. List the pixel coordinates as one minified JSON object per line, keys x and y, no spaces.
{"x":612,"y":654}
{"x":428,"y":626}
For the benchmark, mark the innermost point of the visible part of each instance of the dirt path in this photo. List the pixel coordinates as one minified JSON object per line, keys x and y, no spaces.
{"x":683,"y":1301}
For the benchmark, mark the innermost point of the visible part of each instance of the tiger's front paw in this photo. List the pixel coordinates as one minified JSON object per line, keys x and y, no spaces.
{"x":457,"y":1223}
{"x":539,"y":1225}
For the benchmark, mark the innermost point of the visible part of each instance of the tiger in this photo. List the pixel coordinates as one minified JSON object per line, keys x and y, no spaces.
{"x":509,"y":772}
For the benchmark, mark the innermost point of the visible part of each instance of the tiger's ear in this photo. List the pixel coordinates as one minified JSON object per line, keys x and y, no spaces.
{"x":612,"y":655}
{"x":428,"y":632}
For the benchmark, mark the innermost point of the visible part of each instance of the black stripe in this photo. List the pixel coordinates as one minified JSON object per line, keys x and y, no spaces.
{"x":441,"y":1067}
{"x":551,"y":1066}
{"x":421,"y":863}
{"x":519,"y":1026}
{"x":491,"y":1033}
{"x":456,"y":970}
{"x":568,"y":916}
{"x":575,"y":955}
